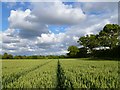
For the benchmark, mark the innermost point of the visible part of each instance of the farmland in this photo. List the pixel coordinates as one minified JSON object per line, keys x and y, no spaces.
{"x":63,"y":73}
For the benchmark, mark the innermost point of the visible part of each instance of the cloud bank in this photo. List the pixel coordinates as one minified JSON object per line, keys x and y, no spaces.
{"x":29,"y":33}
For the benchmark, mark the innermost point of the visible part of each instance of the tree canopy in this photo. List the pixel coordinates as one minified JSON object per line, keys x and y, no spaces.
{"x":109,"y":37}
{"x":89,"y":41}
{"x":73,"y":50}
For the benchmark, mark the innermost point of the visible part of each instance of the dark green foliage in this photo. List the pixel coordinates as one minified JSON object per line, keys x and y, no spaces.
{"x":82,"y":53}
{"x":7,"y":56}
{"x":108,"y":37}
{"x":108,"y":53}
{"x":73,"y":50}
{"x":115,"y":52}
{"x":89,"y":41}
{"x":101,"y":53}
{"x":18,"y":57}
{"x":78,"y":53}
{"x":0,"y":56}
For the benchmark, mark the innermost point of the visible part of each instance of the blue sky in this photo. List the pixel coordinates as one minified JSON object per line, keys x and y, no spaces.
{"x":49,"y":28}
{"x":7,"y":7}
{"x":58,"y":29}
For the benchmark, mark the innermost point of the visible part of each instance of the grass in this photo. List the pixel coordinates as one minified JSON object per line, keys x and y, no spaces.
{"x":63,"y":73}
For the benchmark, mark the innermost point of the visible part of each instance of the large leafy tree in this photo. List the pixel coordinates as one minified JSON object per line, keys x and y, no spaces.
{"x":89,"y":41}
{"x":109,"y":36}
{"x":73,"y":50}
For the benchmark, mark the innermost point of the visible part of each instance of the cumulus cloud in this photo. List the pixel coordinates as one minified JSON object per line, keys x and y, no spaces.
{"x":51,"y":38}
{"x":27,"y":29}
{"x":91,"y":27}
{"x":29,"y":33}
{"x":56,"y":13}
{"x":96,"y":18}
{"x":32,"y":23}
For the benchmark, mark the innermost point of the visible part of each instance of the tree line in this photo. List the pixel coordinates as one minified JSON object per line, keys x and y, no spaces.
{"x":10,"y":56}
{"x":105,"y":44}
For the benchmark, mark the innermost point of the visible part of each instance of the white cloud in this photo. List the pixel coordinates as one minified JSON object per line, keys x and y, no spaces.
{"x":32,"y":23}
{"x":56,"y":13}
{"x":29,"y":32}
{"x":20,"y":16}
{"x":27,"y":29}
{"x":51,"y":38}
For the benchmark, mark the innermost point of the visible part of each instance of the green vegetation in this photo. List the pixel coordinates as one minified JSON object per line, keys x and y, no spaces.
{"x":64,"y":73}
{"x":91,"y":74}
{"x":9,"y":56}
{"x":39,"y":71}
{"x":107,"y":41}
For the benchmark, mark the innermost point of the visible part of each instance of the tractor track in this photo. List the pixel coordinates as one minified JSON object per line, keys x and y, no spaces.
{"x":62,"y":81}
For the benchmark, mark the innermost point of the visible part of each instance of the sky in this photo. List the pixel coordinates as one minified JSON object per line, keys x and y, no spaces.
{"x":49,"y":28}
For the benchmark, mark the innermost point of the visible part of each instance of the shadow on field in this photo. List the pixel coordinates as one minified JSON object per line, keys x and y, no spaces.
{"x":98,"y":59}
{"x":63,"y":82}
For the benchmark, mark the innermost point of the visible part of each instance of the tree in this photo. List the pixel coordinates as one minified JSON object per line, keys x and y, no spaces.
{"x":7,"y":56}
{"x":10,"y":56}
{"x":73,"y":50}
{"x":89,"y":41}
{"x":18,"y":57}
{"x":82,"y":52}
{"x":0,"y":56}
{"x":4,"y":56}
{"x":109,"y":36}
